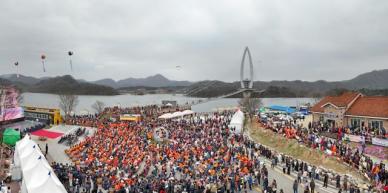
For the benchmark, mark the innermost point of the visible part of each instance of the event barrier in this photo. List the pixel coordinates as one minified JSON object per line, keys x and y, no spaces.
{"x":358,"y":139}
{"x":380,"y":142}
{"x":353,"y":138}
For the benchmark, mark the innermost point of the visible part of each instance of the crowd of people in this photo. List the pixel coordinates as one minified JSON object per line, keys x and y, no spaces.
{"x":311,"y":137}
{"x":200,"y":154}
{"x":366,"y":131}
{"x":196,"y":156}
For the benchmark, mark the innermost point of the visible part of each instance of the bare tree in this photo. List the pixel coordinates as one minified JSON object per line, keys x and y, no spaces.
{"x":316,"y":98}
{"x":250,"y":105}
{"x":98,"y":106}
{"x":67,"y":102}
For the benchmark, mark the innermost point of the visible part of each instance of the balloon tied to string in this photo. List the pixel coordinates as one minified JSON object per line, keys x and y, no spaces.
{"x":43,"y":57}
{"x":17,"y":68}
{"x":70,"y":53}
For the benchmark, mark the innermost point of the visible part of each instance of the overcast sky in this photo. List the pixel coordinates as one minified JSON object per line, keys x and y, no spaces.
{"x":307,"y":40}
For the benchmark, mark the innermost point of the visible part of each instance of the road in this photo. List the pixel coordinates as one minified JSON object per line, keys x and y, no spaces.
{"x":286,"y":182}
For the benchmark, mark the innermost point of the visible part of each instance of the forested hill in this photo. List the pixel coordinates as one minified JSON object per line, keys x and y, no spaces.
{"x":63,"y":85}
{"x":375,"y":82}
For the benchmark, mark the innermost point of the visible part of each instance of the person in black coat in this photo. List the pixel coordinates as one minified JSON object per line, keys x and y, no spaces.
{"x":312,"y":186}
{"x":325,"y":180}
{"x":338,"y":181}
{"x":46,"y":150}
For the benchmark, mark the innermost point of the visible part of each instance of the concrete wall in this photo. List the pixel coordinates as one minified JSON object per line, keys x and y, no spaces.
{"x":335,"y":114}
{"x":365,"y":120}
{"x":338,"y":115}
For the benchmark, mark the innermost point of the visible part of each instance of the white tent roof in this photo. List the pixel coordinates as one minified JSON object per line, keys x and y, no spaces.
{"x":238,"y":118}
{"x":34,"y":174}
{"x":165,"y":116}
{"x":188,"y":112}
{"x":47,"y":184}
{"x":168,"y":104}
{"x":177,"y":114}
{"x":25,"y":152}
{"x":34,"y":161}
{"x":38,"y":176}
{"x":237,"y":121}
{"x":22,"y":142}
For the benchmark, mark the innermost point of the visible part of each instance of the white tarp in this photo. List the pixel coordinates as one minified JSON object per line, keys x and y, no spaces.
{"x":20,"y":145}
{"x":38,"y":176}
{"x":188,"y":112}
{"x":15,"y":167}
{"x":34,"y":175}
{"x":176,"y":114}
{"x":237,"y":121}
{"x":34,"y":162}
{"x":165,"y":116}
{"x":26,"y":153}
{"x":47,"y":184}
{"x":23,"y":151}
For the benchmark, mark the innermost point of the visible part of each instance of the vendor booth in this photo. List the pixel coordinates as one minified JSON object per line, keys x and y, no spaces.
{"x":32,"y":168}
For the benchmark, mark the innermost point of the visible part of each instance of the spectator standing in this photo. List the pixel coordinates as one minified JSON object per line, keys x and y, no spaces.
{"x":46,"y":149}
{"x":295,"y":186}
{"x":312,"y":185}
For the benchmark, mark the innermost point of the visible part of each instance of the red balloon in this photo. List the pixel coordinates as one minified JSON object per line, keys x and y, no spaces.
{"x":43,"y":57}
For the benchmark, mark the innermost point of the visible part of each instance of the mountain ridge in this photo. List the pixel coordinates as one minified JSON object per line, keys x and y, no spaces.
{"x":374,"y":80}
{"x":58,"y":85}
{"x":156,"y":80}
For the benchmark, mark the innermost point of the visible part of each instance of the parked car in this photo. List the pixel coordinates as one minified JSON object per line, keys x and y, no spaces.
{"x":297,"y":115}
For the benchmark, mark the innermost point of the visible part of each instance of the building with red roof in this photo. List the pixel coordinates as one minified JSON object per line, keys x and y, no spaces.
{"x":352,"y":109}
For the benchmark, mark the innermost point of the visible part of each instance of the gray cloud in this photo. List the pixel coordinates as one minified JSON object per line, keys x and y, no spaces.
{"x":308,"y":40}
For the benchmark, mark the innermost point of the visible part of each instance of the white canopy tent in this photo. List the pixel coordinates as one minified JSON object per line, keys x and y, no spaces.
{"x":34,"y":175}
{"x":23,"y":148}
{"x":188,"y":112}
{"x":20,"y":146}
{"x":165,"y":116}
{"x":48,"y":184}
{"x":176,"y":114}
{"x":237,"y":122}
{"x":38,"y":176}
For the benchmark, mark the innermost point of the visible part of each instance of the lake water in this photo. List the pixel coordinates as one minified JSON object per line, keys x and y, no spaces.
{"x":128,"y":100}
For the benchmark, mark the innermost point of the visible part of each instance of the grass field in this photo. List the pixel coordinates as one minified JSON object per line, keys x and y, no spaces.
{"x":292,"y":148}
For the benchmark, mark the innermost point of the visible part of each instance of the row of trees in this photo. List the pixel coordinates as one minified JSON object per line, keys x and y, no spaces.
{"x":68,"y":102}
